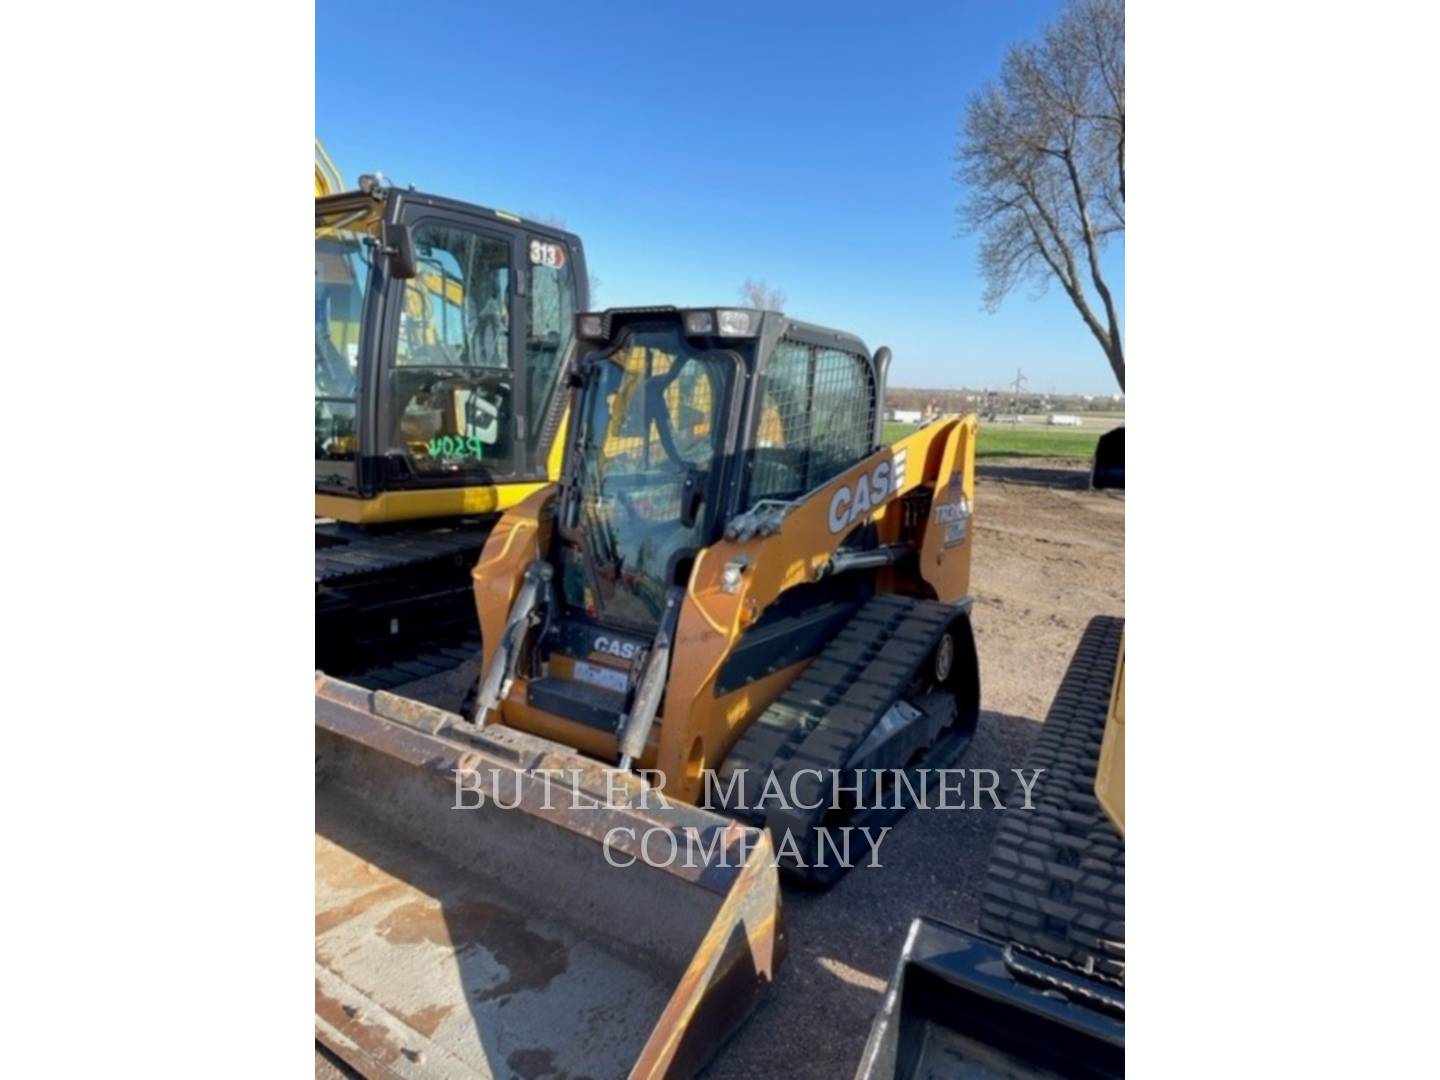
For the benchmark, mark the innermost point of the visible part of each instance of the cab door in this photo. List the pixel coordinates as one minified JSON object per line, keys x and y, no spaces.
{"x":452,"y":387}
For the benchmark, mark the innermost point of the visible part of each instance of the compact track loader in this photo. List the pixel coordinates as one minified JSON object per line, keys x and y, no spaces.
{"x":735,"y":585}
{"x":1039,"y":988}
{"x":442,"y":330}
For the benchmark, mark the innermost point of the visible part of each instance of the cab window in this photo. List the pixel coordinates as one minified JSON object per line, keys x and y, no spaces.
{"x":343,"y":240}
{"x":456,"y":310}
{"x":452,"y":384}
{"x":816,"y":419}
{"x":548,"y":337}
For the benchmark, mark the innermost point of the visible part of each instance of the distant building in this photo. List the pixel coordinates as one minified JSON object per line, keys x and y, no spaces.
{"x":1062,"y":420}
{"x":905,"y":416}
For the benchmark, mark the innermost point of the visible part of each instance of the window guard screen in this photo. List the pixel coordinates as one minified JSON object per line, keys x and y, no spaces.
{"x":817,"y":418}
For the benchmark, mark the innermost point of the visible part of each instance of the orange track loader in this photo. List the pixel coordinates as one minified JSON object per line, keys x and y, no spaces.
{"x":733,"y":589}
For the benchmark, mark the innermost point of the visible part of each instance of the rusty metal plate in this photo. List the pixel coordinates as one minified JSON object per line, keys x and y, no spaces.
{"x":500,"y":942}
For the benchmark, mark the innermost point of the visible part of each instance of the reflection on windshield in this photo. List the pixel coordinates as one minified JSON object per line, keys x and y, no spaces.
{"x":651,"y":417}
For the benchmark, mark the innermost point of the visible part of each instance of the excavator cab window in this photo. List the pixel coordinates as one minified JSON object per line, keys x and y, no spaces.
{"x":651,"y":440}
{"x":343,"y":243}
{"x":452,"y":384}
{"x":551,"y":329}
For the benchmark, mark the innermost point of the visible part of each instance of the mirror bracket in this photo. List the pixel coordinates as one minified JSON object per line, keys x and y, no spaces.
{"x":397,"y":244}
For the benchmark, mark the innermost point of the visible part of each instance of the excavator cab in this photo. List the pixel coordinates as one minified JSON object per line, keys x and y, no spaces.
{"x":442,"y":334}
{"x":441,"y":330}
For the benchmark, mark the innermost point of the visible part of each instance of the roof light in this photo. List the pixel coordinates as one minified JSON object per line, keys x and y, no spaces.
{"x":374,"y":184}
{"x":737,"y":322}
{"x":699,"y":322}
{"x":592,"y":327}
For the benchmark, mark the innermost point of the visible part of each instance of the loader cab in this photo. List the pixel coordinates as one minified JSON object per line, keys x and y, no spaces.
{"x":682,"y":420}
{"x":442,"y":331}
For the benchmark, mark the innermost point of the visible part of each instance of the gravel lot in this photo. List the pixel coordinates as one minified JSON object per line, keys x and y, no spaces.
{"x":1049,"y":554}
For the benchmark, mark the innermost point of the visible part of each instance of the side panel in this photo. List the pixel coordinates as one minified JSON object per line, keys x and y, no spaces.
{"x":697,"y":728}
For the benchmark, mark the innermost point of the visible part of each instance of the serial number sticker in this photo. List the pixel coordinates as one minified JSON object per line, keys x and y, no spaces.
{"x":603,"y":677}
{"x":955,"y":518}
{"x":544,"y":254}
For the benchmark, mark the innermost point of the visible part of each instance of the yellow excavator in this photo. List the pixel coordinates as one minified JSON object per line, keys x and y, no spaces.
{"x":735,"y":610}
{"x":443,"y":331}
{"x":1038,"y":988}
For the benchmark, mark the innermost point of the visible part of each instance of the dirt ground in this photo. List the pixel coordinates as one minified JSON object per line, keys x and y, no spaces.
{"x":1049,"y":554}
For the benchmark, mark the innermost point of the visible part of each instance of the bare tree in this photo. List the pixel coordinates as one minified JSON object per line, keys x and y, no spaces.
{"x":758,"y":294}
{"x":1043,"y":165}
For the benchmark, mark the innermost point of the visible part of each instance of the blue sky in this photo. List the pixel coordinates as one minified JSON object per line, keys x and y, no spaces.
{"x":695,"y":145}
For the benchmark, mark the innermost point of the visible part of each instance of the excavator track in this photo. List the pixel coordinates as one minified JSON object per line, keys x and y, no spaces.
{"x":385,"y":599}
{"x":1056,"y":883}
{"x":430,"y":657}
{"x":825,"y":716}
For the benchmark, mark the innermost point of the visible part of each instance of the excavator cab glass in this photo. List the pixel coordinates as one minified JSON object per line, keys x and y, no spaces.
{"x":649,"y":450}
{"x":343,"y":239}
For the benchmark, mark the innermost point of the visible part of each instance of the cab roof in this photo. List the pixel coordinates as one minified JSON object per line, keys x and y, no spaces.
{"x":396,"y":196}
{"x":774,"y":325}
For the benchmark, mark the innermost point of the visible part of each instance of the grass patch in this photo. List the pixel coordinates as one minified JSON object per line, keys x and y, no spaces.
{"x":1021,"y":440}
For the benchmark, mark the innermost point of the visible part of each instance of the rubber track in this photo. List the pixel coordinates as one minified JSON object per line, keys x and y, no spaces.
{"x":825,"y":714}
{"x":1056,"y":881}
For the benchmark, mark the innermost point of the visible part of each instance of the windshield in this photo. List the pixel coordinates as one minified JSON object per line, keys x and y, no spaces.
{"x":650,"y":438}
{"x":342,"y":277}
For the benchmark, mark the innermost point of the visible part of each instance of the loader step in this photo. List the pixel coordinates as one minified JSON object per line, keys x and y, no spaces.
{"x":814,"y":728}
{"x":589,"y":705}
{"x":1056,"y":882}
